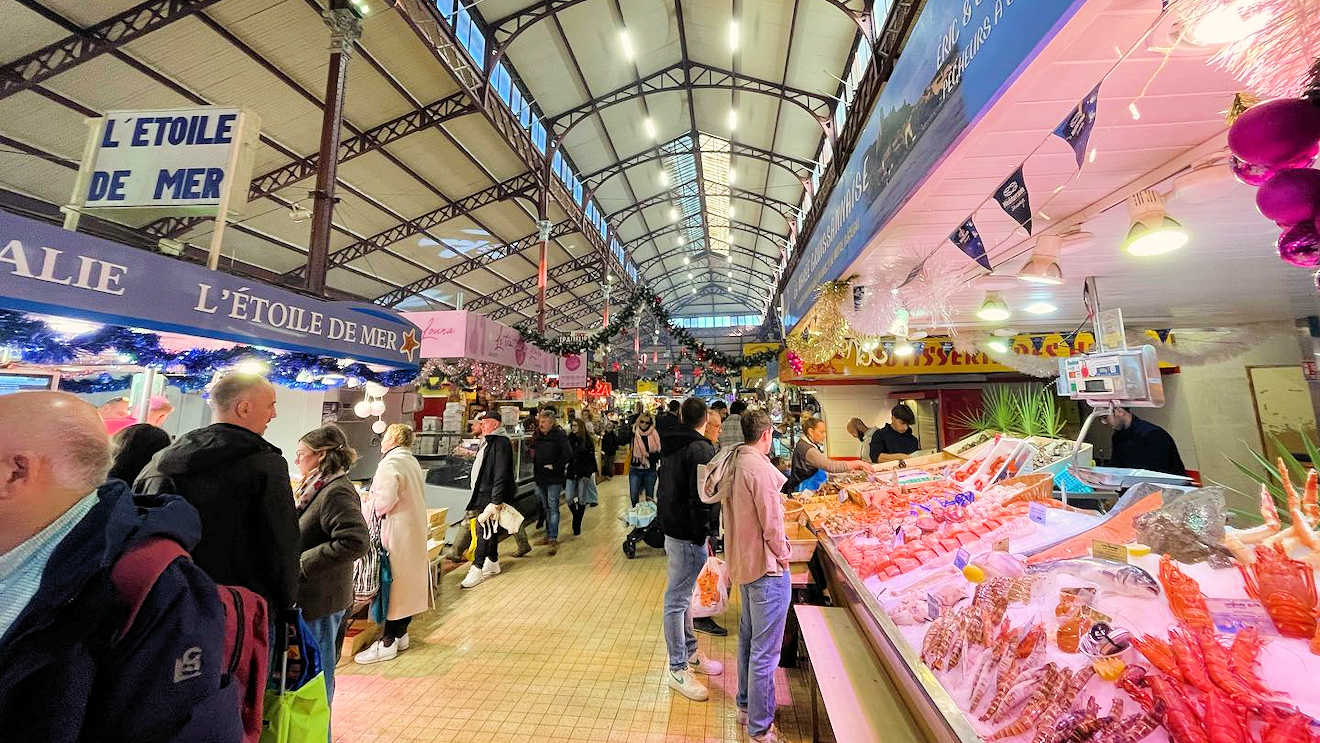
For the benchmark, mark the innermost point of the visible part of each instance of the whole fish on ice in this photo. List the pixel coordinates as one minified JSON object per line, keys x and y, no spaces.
{"x":1117,"y":577}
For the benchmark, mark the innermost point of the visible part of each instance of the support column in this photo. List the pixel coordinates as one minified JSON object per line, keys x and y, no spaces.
{"x":345,"y":28}
{"x":543,"y":234}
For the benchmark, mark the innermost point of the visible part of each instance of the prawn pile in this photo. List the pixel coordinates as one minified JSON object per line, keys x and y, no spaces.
{"x":1205,"y":692}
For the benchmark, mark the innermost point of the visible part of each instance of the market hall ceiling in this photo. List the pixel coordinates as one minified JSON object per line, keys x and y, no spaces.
{"x":688,"y":131}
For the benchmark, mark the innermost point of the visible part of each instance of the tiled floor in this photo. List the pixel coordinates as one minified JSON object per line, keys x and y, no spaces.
{"x":564,"y":648}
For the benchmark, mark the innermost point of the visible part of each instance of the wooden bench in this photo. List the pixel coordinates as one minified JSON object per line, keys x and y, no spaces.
{"x":861,"y":701}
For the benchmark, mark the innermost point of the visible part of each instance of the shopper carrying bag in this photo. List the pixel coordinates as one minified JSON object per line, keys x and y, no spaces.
{"x":297,"y":710}
{"x":710,"y":597}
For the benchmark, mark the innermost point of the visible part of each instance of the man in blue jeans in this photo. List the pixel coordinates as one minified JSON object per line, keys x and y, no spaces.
{"x":685,"y":521}
{"x":550,"y":457}
{"x":756,"y":548}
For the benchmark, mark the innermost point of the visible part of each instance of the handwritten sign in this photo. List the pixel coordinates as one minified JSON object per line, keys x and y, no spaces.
{"x":1037,"y":512}
{"x":1103,"y":550}
{"x":71,"y":274}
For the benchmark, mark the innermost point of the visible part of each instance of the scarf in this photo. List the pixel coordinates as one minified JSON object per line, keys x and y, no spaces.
{"x":642,"y":453}
{"x":310,"y":486}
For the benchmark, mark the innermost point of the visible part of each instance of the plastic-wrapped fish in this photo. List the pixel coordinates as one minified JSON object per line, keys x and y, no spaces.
{"x":1115,"y":577}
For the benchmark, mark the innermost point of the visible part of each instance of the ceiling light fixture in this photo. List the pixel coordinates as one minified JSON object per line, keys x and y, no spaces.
{"x":1043,"y":268}
{"x":733,"y":119}
{"x":673,"y":213}
{"x":679,"y":241}
{"x":998,"y":346}
{"x":732,"y":175}
{"x":686,"y":260}
{"x":994,"y":308}
{"x":1153,"y":231}
{"x":730,"y":211}
{"x":903,"y":349}
{"x":1225,"y":25}
{"x":625,"y":43}
{"x":1041,"y":308}
{"x":689,"y":275}
{"x":664,"y":177}
{"x":649,"y":123}
{"x":733,"y":35}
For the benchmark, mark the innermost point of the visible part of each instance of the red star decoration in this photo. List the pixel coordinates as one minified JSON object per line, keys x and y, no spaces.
{"x":410,"y":344}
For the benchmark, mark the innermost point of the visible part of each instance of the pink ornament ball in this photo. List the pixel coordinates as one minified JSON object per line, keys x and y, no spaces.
{"x":1307,"y":159}
{"x":1251,"y":175}
{"x":1276,"y":132}
{"x":1300,"y":245}
{"x":1290,"y":197}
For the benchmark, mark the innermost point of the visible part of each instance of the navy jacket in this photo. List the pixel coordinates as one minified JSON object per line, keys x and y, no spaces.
{"x":682,"y":514}
{"x":63,"y":679}
{"x":1144,"y":445}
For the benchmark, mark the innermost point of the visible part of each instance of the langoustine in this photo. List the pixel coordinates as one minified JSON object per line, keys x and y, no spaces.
{"x":1184,"y":596}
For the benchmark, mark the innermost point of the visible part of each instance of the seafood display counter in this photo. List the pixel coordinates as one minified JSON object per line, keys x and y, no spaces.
{"x":1004,"y":615}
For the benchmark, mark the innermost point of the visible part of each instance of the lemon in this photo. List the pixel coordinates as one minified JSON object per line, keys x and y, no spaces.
{"x":1138,"y":550}
{"x":974,"y":573}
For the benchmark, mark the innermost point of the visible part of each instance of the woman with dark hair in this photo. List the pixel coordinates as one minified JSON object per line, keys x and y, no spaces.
{"x":644,"y":470}
{"x":581,"y":489}
{"x":334,"y":535}
{"x":135,"y":446}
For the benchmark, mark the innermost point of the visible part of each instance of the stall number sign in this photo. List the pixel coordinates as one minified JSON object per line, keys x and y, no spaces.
{"x":163,"y":158}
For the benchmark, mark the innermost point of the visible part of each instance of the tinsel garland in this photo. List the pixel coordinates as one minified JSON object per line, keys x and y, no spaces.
{"x":496,"y":379}
{"x":644,"y":298}
{"x":189,"y":370}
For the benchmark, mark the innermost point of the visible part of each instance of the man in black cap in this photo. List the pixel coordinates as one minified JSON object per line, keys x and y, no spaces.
{"x":493,"y":485}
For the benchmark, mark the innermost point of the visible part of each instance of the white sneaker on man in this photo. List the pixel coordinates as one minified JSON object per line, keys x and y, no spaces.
{"x":473,"y":578}
{"x":699,"y":663}
{"x":492,"y":567}
{"x":685,"y":683}
{"x":378,"y":652}
{"x":402,"y":643}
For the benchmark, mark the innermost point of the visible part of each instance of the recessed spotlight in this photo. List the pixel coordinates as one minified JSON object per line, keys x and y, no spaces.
{"x":1040,"y":308}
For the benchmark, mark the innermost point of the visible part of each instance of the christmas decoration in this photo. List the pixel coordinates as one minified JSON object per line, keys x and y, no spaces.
{"x":1300,"y":245}
{"x":1273,"y":59}
{"x":1290,"y":197}
{"x":1276,"y":133}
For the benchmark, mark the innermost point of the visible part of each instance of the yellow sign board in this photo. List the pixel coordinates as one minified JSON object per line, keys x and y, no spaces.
{"x":647,"y":387}
{"x":751,"y":374}
{"x":938,"y":356}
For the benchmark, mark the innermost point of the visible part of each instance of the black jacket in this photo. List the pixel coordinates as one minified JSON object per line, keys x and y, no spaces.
{"x":888,"y":441}
{"x":334,"y":534}
{"x":665,"y":421}
{"x":584,"y":457}
{"x":1146,"y":446}
{"x":62,"y":677}
{"x":551,"y":455}
{"x":682,"y":514}
{"x":495,"y":483}
{"x":239,"y":484}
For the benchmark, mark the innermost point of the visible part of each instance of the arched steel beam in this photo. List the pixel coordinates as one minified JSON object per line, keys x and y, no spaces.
{"x":684,"y":298}
{"x":689,"y":188}
{"x":504,"y":30}
{"x":644,"y":266}
{"x":685,"y":76}
{"x":688,"y":145}
{"x":528,"y":284}
{"x":695,"y":221}
{"x":671,"y":283}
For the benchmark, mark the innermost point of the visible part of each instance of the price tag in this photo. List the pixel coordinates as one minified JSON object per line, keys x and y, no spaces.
{"x":961,"y":558}
{"x":1037,"y":511}
{"x":1234,"y":615}
{"x":1103,"y":550}
{"x":898,"y":537}
{"x":1001,"y":545}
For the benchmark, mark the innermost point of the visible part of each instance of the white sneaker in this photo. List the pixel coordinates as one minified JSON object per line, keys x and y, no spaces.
{"x":377,"y":652}
{"x":474,"y":578}
{"x":701,"y":664}
{"x":687,"y":684}
{"x":492,"y":567}
{"x":402,"y":643}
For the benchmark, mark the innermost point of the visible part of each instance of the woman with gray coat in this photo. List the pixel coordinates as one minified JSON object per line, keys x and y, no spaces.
{"x":334,"y":535}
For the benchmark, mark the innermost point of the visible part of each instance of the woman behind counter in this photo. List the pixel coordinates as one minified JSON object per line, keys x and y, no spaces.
{"x":808,"y":457}
{"x":333,"y":536}
{"x":398,"y":502}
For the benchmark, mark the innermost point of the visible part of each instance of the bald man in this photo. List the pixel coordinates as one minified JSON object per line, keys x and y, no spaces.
{"x":239,"y":483}
{"x":74,"y":666}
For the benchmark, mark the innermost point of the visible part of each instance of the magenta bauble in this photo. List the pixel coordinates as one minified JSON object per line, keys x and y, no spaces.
{"x":1252,"y":175}
{"x":1307,"y":158}
{"x":1290,"y":197}
{"x":1300,"y":245}
{"x":1276,"y":132}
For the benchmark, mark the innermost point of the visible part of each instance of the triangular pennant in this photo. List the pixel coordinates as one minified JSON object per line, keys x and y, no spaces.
{"x":969,"y":241}
{"x":1162,"y":334}
{"x":1037,"y":342}
{"x":1013,"y":197}
{"x":1076,"y":128}
{"x":946,"y":346}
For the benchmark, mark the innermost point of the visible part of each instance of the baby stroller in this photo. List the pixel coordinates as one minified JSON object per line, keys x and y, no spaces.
{"x":641,"y":518}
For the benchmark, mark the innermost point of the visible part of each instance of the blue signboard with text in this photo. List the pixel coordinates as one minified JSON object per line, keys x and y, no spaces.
{"x":46,"y":269}
{"x":960,"y":57}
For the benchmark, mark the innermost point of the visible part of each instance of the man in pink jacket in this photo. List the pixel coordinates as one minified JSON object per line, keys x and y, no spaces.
{"x":756,"y":549}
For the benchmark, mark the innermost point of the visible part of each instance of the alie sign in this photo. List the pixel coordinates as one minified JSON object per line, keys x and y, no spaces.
{"x":48,"y":270}
{"x":195,"y":161}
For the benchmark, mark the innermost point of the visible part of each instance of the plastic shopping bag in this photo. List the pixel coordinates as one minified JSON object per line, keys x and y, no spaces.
{"x":296,"y":709}
{"x":711,"y":594}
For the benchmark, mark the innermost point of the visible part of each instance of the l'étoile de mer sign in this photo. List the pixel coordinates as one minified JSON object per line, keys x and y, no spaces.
{"x":49,"y":270}
{"x":960,"y":57}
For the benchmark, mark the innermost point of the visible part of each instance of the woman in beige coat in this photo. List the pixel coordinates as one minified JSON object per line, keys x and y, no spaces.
{"x":397,"y":501}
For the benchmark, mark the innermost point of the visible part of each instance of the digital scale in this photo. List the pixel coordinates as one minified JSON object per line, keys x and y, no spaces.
{"x":1120,"y":378}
